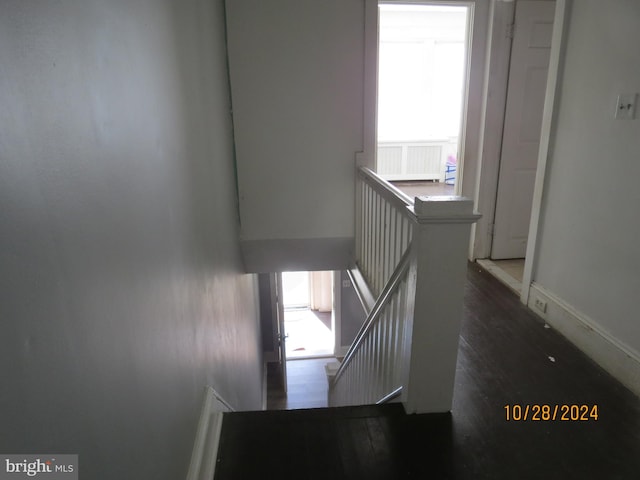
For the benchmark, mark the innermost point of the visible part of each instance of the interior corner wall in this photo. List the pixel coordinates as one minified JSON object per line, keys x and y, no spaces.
{"x":297,"y":93}
{"x":121,"y":287}
{"x":588,"y":252}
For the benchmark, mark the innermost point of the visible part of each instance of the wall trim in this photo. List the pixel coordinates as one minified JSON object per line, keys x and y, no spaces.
{"x":494,"y":100}
{"x":207,"y":441}
{"x":556,"y":64}
{"x":336,"y":312}
{"x":620,"y":360}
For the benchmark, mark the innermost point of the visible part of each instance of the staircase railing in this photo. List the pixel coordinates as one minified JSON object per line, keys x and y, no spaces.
{"x":371,"y":369}
{"x":383,"y":228}
{"x":412,"y":258}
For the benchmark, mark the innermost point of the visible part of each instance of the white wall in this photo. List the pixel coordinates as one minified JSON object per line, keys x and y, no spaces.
{"x":121,"y":292}
{"x":588,"y":252}
{"x":296,"y":80}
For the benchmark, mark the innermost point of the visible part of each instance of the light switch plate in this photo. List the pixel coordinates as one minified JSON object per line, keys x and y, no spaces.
{"x":626,"y":106}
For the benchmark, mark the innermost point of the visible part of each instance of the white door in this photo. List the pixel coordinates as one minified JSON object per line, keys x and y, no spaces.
{"x":282,"y":337}
{"x":523,"y":121}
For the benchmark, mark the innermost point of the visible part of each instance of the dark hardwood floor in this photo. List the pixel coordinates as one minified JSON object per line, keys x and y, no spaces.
{"x":506,"y":357}
{"x":306,"y":385}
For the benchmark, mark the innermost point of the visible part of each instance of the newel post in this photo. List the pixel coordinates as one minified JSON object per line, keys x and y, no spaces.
{"x":441,"y":232}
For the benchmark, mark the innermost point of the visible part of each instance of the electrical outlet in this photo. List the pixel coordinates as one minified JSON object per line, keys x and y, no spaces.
{"x":540,"y":305}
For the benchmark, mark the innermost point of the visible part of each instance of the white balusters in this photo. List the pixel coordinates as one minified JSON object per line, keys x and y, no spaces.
{"x":413,"y":258}
{"x":369,"y":371}
{"x":384,"y":229}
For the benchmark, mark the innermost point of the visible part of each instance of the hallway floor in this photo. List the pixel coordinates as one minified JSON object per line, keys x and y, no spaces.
{"x":509,"y":272}
{"x":306,"y":385}
{"x":308,"y":333}
{"x":507,"y":357}
{"x":418,"y":188}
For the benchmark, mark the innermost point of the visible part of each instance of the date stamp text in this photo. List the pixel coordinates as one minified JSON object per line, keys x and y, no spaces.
{"x":551,"y":413}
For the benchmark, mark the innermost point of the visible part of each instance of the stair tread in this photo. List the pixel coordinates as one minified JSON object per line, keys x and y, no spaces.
{"x":356,"y":411}
{"x":369,"y":442}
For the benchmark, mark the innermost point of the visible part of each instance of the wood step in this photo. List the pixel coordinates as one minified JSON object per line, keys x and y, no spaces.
{"x":369,"y":442}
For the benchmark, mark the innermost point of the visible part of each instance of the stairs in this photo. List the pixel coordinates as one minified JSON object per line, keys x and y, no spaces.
{"x":503,"y":360}
{"x":368,"y":442}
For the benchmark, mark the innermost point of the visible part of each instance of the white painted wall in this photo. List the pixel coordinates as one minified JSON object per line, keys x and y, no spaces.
{"x":296,"y":79}
{"x":121,"y":292}
{"x":300,"y":100}
{"x":587,"y":253}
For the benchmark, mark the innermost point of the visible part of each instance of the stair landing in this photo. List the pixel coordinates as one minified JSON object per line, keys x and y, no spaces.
{"x":365,"y":442}
{"x":504,"y":360}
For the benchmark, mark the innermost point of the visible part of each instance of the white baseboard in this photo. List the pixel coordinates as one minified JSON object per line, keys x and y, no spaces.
{"x":615,"y":357}
{"x":207,"y":441}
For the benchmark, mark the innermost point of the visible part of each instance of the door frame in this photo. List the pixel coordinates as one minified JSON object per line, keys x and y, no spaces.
{"x":496,"y":78}
{"x":494,"y":98}
{"x":478,"y":166}
{"x":281,"y":337}
{"x":372,"y":20}
{"x":556,"y":59}
{"x":278,"y":316}
{"x":472,"y":103}
{"x":503,"y":245}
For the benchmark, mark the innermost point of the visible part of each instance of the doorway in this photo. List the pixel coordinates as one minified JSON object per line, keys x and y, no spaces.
{"x":309,"y":322}
{"x":528,"y":70}
{"x":422,"y":83}
{"x":526,"y":89}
